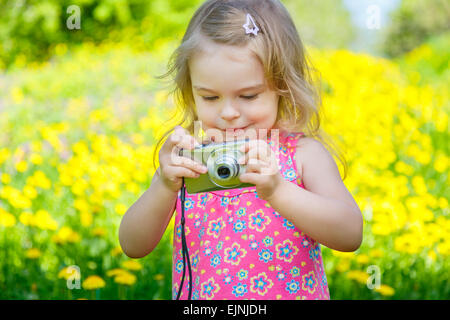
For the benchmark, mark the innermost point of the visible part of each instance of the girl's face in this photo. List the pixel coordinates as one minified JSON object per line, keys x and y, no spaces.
{"x":230,"y":92}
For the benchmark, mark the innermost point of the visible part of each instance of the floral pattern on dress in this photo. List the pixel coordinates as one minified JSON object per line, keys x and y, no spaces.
{"x":241,"y":248}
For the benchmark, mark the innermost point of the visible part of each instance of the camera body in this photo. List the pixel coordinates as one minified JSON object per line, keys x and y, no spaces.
{"x":221,"y":159}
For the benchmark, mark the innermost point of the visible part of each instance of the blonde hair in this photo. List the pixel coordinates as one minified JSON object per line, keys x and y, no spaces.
{"x":279,"y":48}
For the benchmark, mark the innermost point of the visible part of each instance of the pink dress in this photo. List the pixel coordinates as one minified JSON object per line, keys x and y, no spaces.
{"x":240,"y":248}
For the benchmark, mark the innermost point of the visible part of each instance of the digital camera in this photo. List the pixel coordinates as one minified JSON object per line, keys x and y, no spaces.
{"x":221,"y":160}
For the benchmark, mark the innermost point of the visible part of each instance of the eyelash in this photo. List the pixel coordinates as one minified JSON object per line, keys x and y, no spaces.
{"x":245,"y":97}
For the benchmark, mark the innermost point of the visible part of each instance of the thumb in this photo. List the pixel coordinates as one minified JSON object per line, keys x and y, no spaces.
{"x":249,"y":177}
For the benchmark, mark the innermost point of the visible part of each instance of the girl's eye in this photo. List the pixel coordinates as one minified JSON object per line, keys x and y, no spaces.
{"x":210,"y":98}
{"x":250,"y":97}
{"x":245,"y":97}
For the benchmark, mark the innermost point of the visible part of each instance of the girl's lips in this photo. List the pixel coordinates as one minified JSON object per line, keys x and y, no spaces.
{"x":235,"y":129}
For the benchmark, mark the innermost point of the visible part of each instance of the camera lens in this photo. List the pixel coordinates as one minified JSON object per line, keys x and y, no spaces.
{"x":223,"y":172}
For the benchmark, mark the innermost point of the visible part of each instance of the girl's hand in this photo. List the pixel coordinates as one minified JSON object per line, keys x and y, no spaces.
{"x":262,"y":168}
{"x":173,"y":166}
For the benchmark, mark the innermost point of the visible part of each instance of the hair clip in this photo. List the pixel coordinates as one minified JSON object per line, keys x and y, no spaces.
{"x":247,"y":28}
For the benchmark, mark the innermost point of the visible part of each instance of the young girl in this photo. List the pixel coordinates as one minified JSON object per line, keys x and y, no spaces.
{"x":241,"y":65}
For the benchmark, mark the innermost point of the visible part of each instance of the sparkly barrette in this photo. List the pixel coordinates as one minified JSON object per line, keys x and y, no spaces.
{"x":250,"y":25}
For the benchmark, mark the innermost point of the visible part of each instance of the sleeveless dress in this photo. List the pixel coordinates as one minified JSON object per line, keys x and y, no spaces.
{"x":241,"y":248}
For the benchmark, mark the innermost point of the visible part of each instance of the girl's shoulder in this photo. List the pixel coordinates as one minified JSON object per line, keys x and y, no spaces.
{"x":305,"y":149}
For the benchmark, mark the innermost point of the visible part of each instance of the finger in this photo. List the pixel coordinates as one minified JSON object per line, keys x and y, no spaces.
{"x":174,"y":172}
{"x":255,"y":165}
{"x":188,"y":163}
{"x":257,"y":149}
{"x":249,"y":177}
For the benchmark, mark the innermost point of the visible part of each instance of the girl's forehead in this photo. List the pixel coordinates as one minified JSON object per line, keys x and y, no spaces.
{"x":209,"y":50}
{"x":226,"y":61}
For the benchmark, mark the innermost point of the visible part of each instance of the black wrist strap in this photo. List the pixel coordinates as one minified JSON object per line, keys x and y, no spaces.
{"x":184,"y":247}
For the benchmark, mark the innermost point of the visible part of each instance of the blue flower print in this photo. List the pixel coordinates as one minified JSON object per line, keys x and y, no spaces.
{"x":292,"y":286}
{"x":228,"y":278}
{"x":268,"y":241}
{"x":195,"y":259}
{"x":324,"y":280}
{"x":219,"y":245}
{"x":239,"y":290}
{"x":179,"y":266}
{"x":288,"y":225}
{"x":314,"y":252}
{"x":201,"y":233}
{"x":204,"y":199}
{"x":295,"y":272}
{"x":207,"y":251}
{"x":290,"y":174}
{"x":305,"y":243}
{"x":195,"y":295}
{"x":254,"y":245}
{"x":188,"y":204}
{"x":276,"y":214}
{"x":224,"y":201}
{"x":289,"y":161}
{"x":215,"y":260}
{"x":265,"y":255}
{"x":241,"y":212}
{"x":239,"y":226}
{"x":281,"y":275}
{"x":197,"y":223}
{"x":242,"y":274}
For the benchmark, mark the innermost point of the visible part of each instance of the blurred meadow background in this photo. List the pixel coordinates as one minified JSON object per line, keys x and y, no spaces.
{"x":80,"y":111}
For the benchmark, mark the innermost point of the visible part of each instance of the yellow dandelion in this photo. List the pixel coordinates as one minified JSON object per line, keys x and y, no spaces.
{"x":362,"y":258}
{"x":342,"y":254}
{"x":125,"y":278}
{"x":6,"y":219}
{"x":86,"y":219}
{"x":115,"y":272}
{"x":44,"y":221}
{"x":116,"y":251}
{"x":66,"y":234}
{"x":358,"y":275}
{"x":33,"y":253}
{"x":93,"y":282}
{"x":36,"y":158}
{"x":376,"y":253}
{"x":69,"y":272}
{"x":343,"y":265}
{"x":132,"y":265}
{"x":158,"y":277}
{"x":120,"y":208}
{"x":4,"y":177}
{"x":21,"y":166}
{"x":4,"y":155}
{"x":385,"y":290}
{"x":98,"y":232}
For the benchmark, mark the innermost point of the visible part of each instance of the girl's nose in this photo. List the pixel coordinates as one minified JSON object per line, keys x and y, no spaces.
{"x":229,"y":112}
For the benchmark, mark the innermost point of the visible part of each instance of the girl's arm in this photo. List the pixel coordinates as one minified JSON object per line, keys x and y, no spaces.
{"x":326,"y":211}
{"x":144,"y":223}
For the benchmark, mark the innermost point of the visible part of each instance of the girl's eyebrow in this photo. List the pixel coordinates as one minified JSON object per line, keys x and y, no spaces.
{"x":255,"y":87}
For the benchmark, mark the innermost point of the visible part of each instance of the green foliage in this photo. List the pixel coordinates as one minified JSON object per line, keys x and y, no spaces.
{"x":30,"y":28}
{"x":322,"y":24}
{"x":429,"y":63}
{"x":413,"y":23}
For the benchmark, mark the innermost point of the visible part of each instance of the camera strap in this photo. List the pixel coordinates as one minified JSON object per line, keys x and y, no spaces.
{"x":184,"y":247}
